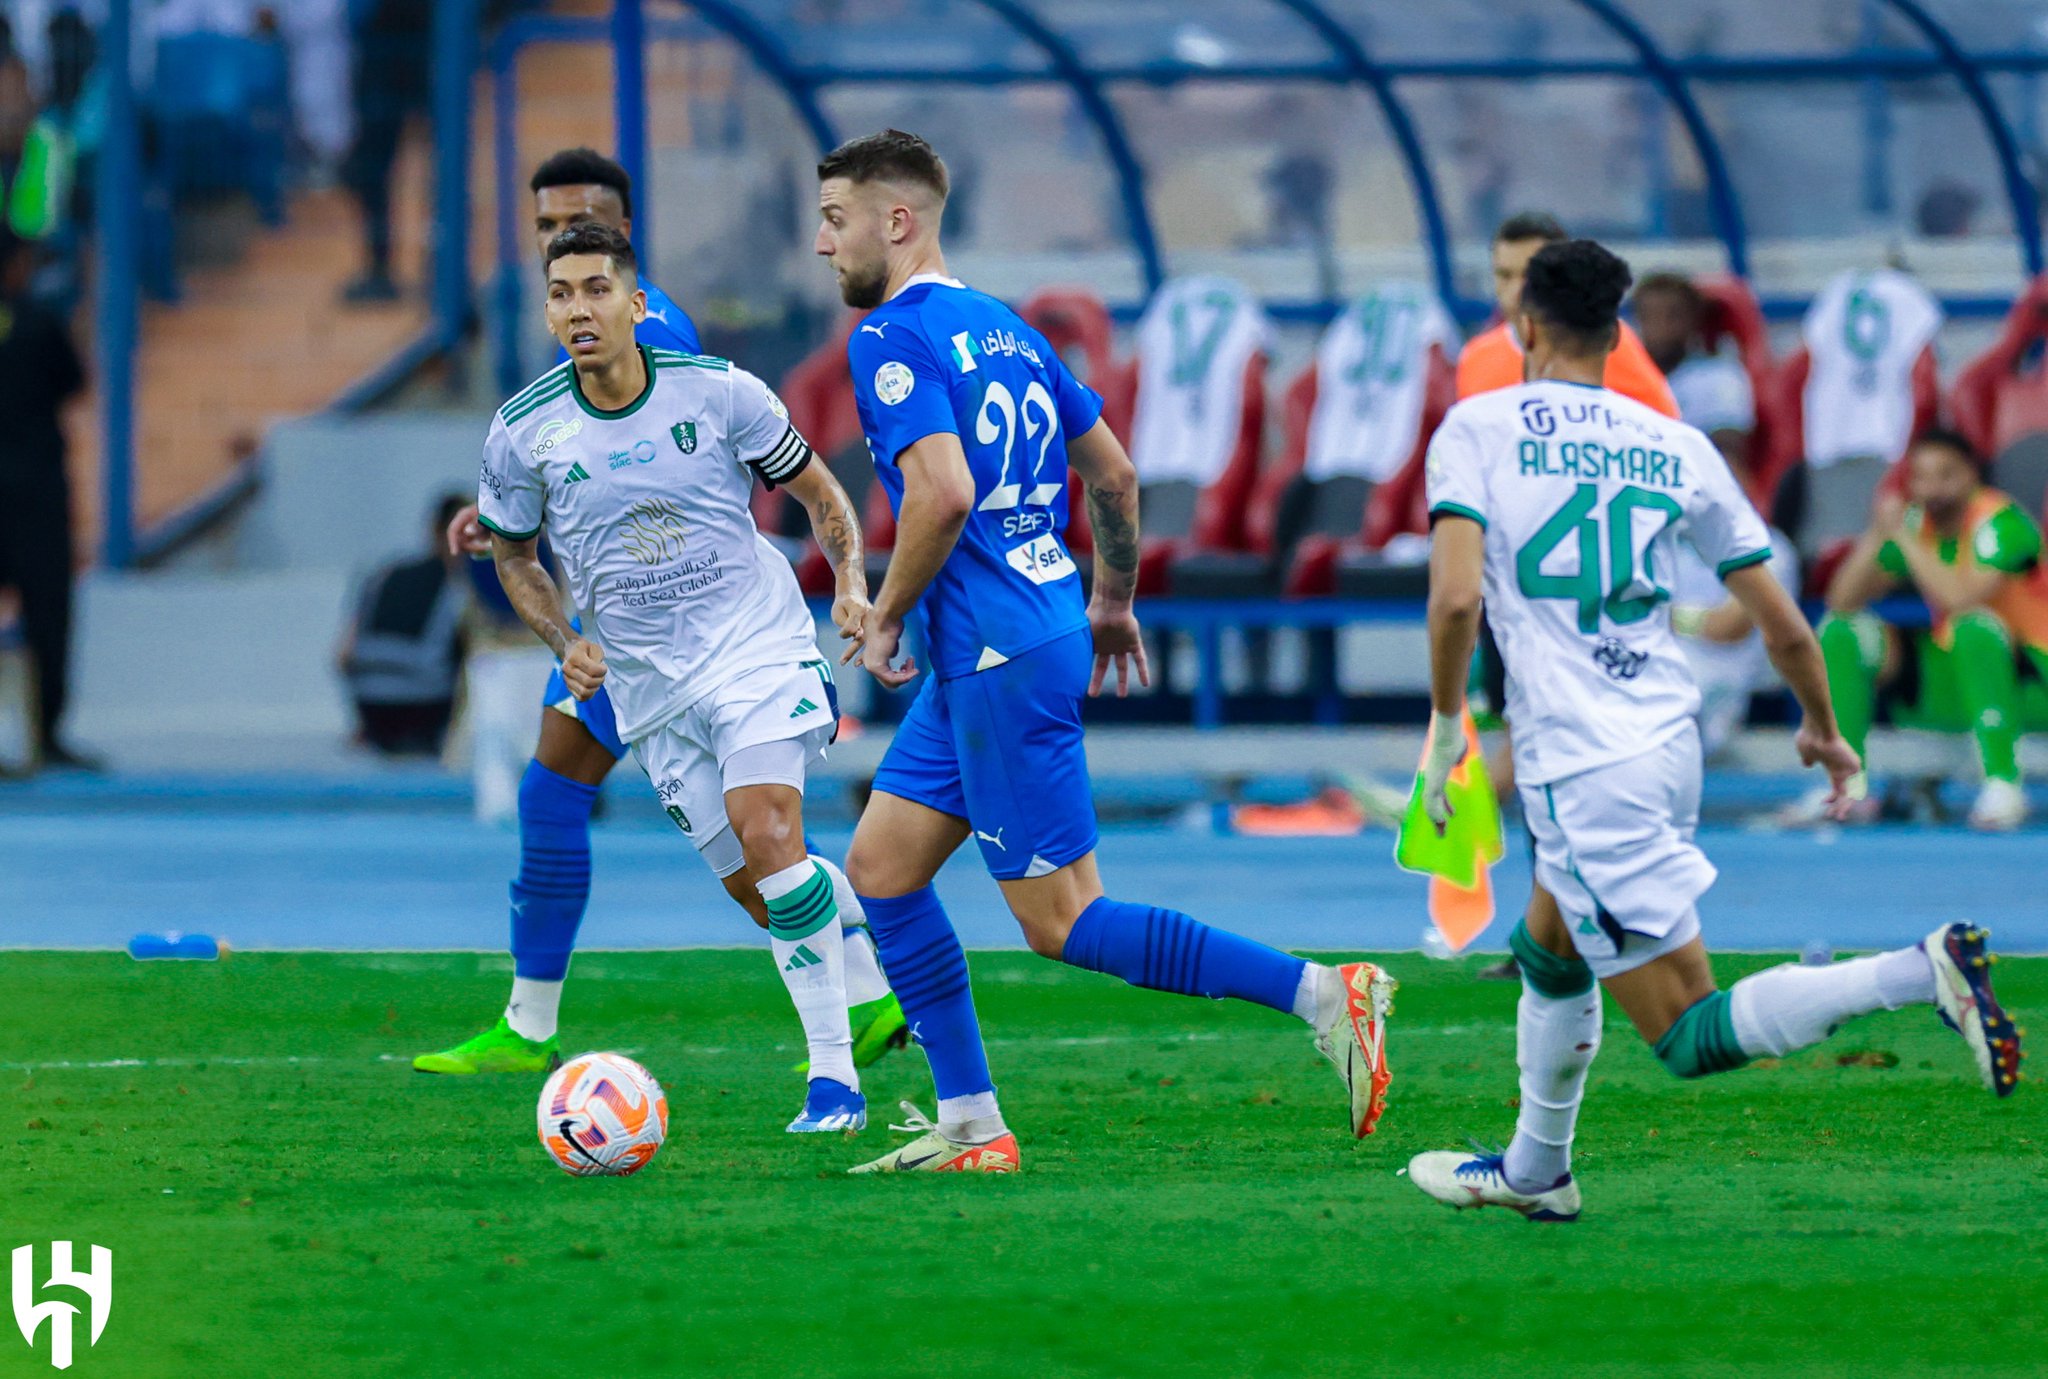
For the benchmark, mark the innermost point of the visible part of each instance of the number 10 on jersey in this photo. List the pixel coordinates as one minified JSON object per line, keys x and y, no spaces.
{"x":1631,"y":588}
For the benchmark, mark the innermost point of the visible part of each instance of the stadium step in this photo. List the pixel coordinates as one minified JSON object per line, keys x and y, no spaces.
{"x":251,"y":342}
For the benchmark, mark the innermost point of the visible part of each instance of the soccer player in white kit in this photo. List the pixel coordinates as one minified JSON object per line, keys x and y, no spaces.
{"x":1560,"y":504}
{"x":640,"y":464}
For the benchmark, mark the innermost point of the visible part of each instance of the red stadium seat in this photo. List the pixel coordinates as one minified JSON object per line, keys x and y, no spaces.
{"x":1194,"y":533}
{"x":2001,"y":396}
{"x":1342,"y":518}
{"x":1777,"y":477}
{"x":1076,"y":323}
{"x":1401,"y":504}
{"x":1735,"y":315}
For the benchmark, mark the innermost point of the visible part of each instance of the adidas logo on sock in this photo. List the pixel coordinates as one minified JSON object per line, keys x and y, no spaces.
{"x":803,"y":957}
{"x":803,"y":706}
{"x":577,"y":474}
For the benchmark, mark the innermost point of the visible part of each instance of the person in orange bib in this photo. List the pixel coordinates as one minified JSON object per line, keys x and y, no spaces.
{"x":1493,"y":359}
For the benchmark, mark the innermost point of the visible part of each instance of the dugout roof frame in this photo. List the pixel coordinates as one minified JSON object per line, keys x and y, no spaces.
{"x":1618,"y":38}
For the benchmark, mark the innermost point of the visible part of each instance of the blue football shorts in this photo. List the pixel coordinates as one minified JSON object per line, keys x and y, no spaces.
{"x":594,"y":713}
{"x":1002,"y":749}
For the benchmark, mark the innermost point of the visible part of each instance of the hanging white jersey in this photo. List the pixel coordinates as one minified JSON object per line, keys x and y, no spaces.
{"x":648,"y":509}
{"x":1194,"y":342}
{"x":1584,"y":495}
{"x":1863,"y":335}
{"x":1372,"y":378}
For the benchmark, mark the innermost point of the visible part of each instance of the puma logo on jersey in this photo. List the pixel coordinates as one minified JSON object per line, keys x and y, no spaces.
{"x":876,"y":329}
{"x":996,"y":838}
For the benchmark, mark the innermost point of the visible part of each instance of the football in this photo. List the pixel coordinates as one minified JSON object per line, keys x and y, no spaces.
{"x":602,"y":1114}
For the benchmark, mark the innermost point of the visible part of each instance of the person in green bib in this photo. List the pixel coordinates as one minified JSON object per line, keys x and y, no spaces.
{"x":1982,"y":667}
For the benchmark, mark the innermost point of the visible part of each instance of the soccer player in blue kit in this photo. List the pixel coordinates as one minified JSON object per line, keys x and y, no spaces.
{"x":973,"y":421}
{"x":579,"y":741}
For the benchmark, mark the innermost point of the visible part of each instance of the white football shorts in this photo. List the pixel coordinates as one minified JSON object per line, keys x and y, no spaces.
{"x":764,"y":727}
{"x":1614,"y":847}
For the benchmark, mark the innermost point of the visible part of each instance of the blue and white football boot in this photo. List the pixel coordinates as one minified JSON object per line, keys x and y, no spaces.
{"x":831,"y":1108}
{"x":1480,"y":1179}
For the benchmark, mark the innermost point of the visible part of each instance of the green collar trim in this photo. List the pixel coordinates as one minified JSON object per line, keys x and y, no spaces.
{"x":576,"y":384}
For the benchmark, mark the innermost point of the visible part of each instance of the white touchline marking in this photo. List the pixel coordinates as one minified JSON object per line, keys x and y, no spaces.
{"x":1396,"y":1030}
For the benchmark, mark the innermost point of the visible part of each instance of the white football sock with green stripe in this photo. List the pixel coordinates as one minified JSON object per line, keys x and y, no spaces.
{"x":865,"y":983}
{"x":810,"y":953}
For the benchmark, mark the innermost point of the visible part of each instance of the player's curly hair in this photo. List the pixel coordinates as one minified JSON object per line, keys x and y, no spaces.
{"x":1576,"y":286}
{"x":584,"y":167}
{"x":593,"y":238}
{"x":892,"y":156}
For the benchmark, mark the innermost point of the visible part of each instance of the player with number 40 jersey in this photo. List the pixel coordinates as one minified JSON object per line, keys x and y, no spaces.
{"x":1558,"y":505}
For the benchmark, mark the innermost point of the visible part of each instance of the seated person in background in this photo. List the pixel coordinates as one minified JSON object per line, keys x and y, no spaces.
{"x":1722,"y":646}
{"x":1720,"y":643}
{"x":402,"y":653}
{"x":1975,"y":557}
{"x":1712,"y":390}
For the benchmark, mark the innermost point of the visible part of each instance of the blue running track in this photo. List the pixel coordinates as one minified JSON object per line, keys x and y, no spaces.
{"x":81,"y":874}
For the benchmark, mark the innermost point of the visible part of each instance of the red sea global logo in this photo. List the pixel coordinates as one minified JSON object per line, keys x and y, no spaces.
{"x":96,"y":1283}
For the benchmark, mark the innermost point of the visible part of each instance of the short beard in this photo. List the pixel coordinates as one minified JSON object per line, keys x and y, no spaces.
{"x":865,"y":293}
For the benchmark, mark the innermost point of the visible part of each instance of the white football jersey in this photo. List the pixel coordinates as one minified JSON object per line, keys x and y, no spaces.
{"x":1584,"y":495}
{"x":649,"y":511}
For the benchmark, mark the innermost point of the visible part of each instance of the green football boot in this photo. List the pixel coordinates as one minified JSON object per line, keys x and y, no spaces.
{"x":499,"y":1049}
{"x":878,"y":1027}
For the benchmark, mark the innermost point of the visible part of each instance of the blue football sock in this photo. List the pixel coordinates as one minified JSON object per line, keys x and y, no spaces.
{"x":929,"y":973}
{"x":1165,"y":950}
{"x":553,"y":888}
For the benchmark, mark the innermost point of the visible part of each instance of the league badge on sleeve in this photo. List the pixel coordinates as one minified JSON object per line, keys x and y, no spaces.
{"x":893,"y":382}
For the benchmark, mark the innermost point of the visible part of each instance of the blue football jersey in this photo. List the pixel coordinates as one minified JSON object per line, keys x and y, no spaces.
{"x":667,"y":327}
{"x":941,"y":357}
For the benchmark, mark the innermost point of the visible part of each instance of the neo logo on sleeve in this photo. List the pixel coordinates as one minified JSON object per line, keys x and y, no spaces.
{"x":97,"y":1283}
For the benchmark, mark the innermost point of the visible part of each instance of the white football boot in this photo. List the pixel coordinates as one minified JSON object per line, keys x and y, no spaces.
{"x":1353,"y":1037}
{"x":2001,"y":807}
{"x":1479,"y":1179}
{"x":1968,"y":1005}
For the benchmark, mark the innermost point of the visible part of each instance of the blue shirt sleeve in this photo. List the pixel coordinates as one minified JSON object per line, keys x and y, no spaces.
{"x":1080,"y":405}
{"x":668,"y":326}
{"x":905,"y":391}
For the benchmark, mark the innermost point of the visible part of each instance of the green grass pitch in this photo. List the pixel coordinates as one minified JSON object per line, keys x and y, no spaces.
{"x":285,"y":1197}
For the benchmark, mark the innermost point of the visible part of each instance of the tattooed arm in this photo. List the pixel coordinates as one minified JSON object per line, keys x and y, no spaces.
{"x":837,"y":528}
{"x":1112,"y":484}
{"x":539,"y":605}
